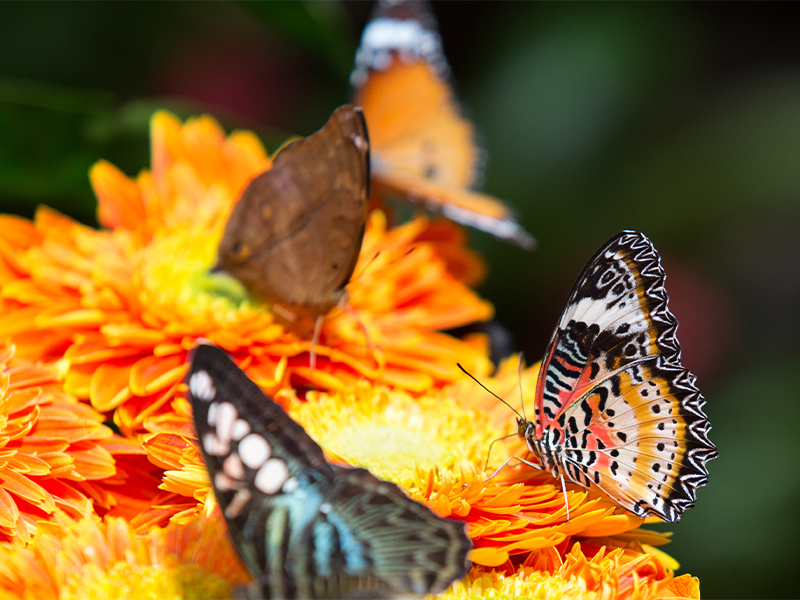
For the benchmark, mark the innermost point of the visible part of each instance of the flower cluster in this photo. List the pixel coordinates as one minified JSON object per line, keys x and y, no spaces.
{"x":96,"y":326}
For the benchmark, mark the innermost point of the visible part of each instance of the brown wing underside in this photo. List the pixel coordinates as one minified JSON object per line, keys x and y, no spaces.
{"x":294,"y":236}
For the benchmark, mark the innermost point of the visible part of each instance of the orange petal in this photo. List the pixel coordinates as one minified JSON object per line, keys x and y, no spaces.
{"x":202,"y":139}
{"x":166,"y":450}
{"x":9,"y":513}
{"x":152,"y":374}
{"x":109,"y":386}
{"x":119,"y":203}
{"x":121,"y":445}
{"x":77,"y":382}
{"x":93,"y":463}
{"x":488,"y":557}
{"x":245,"y":156}
{"x":26,"y":489}
{"x":85,"y":317}
{"x":96,"y":349}
{"x":684,"y":586}
{"x":165,"y":144}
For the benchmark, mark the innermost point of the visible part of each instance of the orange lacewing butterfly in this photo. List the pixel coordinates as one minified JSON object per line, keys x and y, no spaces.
{"x":423,"y":148}
{"x":304,"y":527}
{"x":615,"y":410}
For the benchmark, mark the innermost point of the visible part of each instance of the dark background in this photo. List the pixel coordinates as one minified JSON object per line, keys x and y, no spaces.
{"x":679,"y":120}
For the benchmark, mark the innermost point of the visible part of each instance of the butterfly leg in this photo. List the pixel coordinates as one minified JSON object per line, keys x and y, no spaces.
{"x":312,"y":359}
{"x":374,"y":350}
{"x":489,"y":453}
{"x":564,"y":489}
{"x":377,"y":355}
{"x":509,"y":459}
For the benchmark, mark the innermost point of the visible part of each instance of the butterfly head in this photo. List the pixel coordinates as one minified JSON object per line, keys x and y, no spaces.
{"x":525,"y":429}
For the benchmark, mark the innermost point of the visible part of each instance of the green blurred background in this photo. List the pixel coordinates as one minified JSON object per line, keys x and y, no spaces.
{"x":679,"y":120}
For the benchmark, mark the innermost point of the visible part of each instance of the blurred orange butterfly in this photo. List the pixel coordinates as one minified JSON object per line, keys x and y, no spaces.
{"x":423,"y":148}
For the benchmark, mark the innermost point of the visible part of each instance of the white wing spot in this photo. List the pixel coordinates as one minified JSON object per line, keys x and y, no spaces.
{"x":240,"y":429}
{"x":226,"y":415}
{"x":223,"y":482}
{"x":201,"y":386}
{"x":291,"y":485}
{"x":234,"y":509}
{"x":214,"y":446}
{"x":233,"y":467}
{"x":325,"y":508}
{"x":254,"y":450}
{"x":359,"y":142}
{"x":212,"y":414}
{"x":271,"y":477}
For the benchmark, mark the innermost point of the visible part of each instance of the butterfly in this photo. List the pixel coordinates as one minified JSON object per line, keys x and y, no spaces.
{"x":294,"y":236}
{"x":424,"y":149}
{"x":615,"y":409}
{"x":304,"y":527}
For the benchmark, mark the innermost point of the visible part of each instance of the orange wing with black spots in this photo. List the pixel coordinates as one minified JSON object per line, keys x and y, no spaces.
{"x":423,"y":148}
{"x":615,"y":408}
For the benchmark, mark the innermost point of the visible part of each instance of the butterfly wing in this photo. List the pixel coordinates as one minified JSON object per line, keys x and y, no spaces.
{"x":294,"y":236}
{"x":614,"y":395}
{"x":411,"y":549}
{"x":266,"y":471}
{"x":424,"y":149}
{"x":305,"y":528}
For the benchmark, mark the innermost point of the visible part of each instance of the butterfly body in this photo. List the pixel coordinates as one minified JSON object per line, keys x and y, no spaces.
{"x":304,"y":527}
{"x":615,"y":408}
{"x":294,"y":236}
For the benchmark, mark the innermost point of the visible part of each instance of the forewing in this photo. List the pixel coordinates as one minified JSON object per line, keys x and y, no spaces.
{"x":424,"y":149}
{"x":259,"y":460}
{"x":294,"y":236}
{"x":613,"y":392}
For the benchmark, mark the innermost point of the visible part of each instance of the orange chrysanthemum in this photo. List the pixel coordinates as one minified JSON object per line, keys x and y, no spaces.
{"x":124,"y":305}
{"x":614,"y":575}
{"x":55,"y":454}
{"x":94,"y":559}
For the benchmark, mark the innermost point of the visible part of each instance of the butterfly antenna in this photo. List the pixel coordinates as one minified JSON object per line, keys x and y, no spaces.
{"x":488,"y":390}
{"x":363,"y":269}
{"x":519,"y":373}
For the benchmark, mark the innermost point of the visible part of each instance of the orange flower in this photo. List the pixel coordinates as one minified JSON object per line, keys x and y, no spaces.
{"x":124,"y":305}
{"x":55,"y":453}
{"x":614,"y":575}
{"x":94,"y":559}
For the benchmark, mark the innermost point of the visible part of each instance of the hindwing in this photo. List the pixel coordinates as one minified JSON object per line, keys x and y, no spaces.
{"x":613,"y":400}
{"x":306,"y":528}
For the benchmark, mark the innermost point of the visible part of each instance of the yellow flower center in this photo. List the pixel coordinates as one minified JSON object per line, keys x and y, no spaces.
{"x":392,"y":433}
{"x":124,"y":581}
{"x":176,"y":279}
{"x":390,"y":451}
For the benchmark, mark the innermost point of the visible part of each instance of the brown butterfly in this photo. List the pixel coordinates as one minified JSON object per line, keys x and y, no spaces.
{"x":423,"y":148}
{"x":294,"y":236}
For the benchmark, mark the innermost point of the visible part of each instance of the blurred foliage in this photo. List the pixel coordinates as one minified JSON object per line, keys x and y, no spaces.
{"x":680,"y":120}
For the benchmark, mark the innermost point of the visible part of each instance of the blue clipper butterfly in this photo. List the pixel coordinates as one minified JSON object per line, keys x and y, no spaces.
{"x":304,"y":527}
{"x":615,"y":408}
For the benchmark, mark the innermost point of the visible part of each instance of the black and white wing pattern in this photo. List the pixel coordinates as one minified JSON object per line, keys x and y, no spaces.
{"x":615,"y":408}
